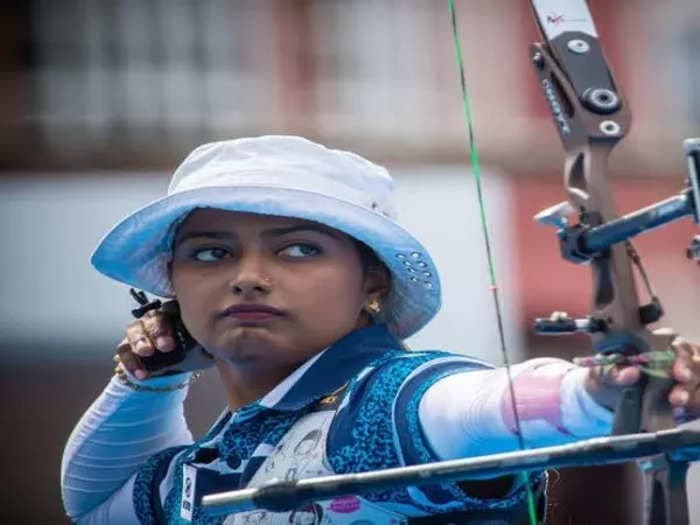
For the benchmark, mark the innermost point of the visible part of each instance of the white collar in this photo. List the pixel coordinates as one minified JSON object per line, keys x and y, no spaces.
{"x":274,"y":396}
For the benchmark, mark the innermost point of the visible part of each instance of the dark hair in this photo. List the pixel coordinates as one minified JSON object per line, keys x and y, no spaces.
{"x":368,"y":258}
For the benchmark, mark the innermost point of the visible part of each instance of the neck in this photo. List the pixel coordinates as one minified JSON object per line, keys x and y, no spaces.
{"x":245,"y":384}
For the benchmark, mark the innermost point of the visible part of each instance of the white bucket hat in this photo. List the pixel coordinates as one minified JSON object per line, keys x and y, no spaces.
{"x":285,"y":176}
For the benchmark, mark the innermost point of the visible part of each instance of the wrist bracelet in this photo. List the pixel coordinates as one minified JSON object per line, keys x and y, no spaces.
{"x":123,"y":378}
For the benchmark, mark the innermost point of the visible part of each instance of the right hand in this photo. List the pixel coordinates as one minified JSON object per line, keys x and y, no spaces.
{"x":152,"y":348}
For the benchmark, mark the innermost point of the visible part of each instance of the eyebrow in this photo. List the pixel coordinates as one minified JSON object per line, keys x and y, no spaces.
{"x":274,"y":232}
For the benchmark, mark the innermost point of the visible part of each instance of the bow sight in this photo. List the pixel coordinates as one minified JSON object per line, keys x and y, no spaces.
{"x":585,"y":240}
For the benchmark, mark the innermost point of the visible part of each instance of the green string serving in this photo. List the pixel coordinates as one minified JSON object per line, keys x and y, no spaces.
{"x":476,"y":172}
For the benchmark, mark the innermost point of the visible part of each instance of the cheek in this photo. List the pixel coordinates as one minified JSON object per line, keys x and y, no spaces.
{"x":193,"y":293}
{"x":334,"y":287}
{"x":192,"y":283}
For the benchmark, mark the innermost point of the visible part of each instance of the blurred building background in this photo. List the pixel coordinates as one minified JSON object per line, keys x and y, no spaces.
{"x":102,"y":98}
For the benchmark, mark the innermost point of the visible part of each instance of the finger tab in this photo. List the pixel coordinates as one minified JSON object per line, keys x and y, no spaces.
{"x":157,"y":325}
{"x":165,"y":343}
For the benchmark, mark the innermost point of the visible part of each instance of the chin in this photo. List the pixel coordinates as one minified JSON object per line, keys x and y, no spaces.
{"x":245,"y":343}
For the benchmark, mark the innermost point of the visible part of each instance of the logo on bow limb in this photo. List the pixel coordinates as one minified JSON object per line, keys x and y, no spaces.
{"x":557,"y":19}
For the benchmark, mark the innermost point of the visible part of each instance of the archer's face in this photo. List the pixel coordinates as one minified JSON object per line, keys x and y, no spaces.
{"x":310,"y":276}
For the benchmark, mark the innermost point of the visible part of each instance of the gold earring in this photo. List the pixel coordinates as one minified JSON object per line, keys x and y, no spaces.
{"x":374,"y":306}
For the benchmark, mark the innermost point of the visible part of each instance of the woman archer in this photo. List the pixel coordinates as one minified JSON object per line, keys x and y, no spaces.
{"x":292,"y":277}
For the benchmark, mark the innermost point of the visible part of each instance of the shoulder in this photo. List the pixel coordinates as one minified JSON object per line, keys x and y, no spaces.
{"x":377,"y":425}
{"x":398,"y":372}
{"x":418,"y":367}
{"x":382,"y":400}
{"x":391,"y":374}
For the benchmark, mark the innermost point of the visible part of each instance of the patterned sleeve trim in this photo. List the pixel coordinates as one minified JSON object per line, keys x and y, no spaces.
{"x":361,"y":437}
{"x":146,"y":496}
{"x":363,"y":434}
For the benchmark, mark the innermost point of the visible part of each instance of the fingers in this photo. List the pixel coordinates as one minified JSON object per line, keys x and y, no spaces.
{"x":615,"y":375}
{"x":686,"y":373}
{"x":129,"y":361}
{"x":144,"y":337}
{"x":160,"y":330}
{"x":604,"y":383}
{"x":687,"y":360}
{"x":623,"y":375}
{"x":150,"y":333}
{"x":137,"y":337}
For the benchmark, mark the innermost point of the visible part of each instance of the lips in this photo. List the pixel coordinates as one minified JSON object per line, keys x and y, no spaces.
{"x":251,"y":311}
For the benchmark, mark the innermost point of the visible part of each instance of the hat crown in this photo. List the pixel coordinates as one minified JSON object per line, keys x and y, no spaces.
{"x":283,"y":176}
{"x":287,"y":161}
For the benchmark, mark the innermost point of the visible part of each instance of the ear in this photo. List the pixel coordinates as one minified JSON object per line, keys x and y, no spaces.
{"x":377,"y":282}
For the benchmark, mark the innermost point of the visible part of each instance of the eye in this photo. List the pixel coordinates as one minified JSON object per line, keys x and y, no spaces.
{"x":300,"y":250}
{"x":209,"y":254}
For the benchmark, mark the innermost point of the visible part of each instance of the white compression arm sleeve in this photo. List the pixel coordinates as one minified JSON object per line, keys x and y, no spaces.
{"x":120,"y":431}
{"x":470,"y":413}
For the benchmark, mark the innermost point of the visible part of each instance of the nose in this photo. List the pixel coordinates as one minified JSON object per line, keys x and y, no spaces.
{"x":250,"y":276}
{"x":251,"y":286}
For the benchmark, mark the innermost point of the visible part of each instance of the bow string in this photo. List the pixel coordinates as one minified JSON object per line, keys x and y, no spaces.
{"x":476,"y":173}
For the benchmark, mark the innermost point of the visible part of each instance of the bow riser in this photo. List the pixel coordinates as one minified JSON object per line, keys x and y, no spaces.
{"x":589,"y":133}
